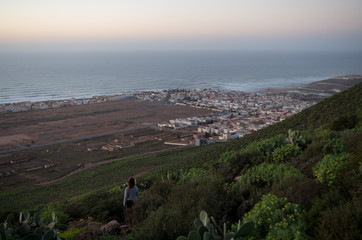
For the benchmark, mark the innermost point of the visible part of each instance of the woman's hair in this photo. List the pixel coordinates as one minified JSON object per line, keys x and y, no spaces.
{"x":131,"y":182}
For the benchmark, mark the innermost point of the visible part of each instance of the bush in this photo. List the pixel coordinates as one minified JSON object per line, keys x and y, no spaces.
{"x":76,"y":210}
{"x":330,"y":198}
{"x":276,"y":218}
{"x":342,"y":222}
{"x":313,"y":152}
{"x":163,"y":224}
{"x":267,"y":174}
{"x":334,"y":146}
{"x":344,"y":123}
{"x":298,"y":189}
{"x":176,"y":216}
{"x":228,"y":156}
{"x":241,"y":162}
{"x":151,"y":200}
{"x":330,"y":167}
{"x":193,"y":174}
{"x":102,"y":206}
{"x":46,"y":215}
{"x":268,"y":146}
{"x":71,"y":233}
{"x":258,"y":181}
{"x":285,"y":153}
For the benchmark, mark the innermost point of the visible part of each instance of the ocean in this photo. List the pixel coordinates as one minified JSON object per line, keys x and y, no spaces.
{"x":64,"y":75}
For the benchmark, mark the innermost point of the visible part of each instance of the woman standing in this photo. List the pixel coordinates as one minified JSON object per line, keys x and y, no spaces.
{"x":130,"y":193}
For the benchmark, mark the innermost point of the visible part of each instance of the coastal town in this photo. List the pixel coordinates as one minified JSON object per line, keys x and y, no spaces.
{"x":234,"y":113}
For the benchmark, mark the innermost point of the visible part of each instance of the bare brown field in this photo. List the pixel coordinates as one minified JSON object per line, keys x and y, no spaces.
{"x":52,"y":125}
{"x":51,"y":163}
{"x":48,"y":163}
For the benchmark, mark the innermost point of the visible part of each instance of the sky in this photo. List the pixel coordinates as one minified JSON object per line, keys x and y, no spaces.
{"x":182,"y":24}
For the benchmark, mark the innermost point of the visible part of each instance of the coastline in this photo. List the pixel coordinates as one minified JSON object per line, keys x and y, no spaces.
{"x":323,"y":88}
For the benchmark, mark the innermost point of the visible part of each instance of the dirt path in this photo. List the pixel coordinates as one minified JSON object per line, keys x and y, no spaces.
{"x":145,"y":172}
{"x":91,"y":165}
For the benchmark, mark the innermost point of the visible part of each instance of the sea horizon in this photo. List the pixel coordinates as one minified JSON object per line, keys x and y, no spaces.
{"x":46,"y":76}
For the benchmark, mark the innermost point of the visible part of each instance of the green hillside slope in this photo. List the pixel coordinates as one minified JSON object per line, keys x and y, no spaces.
{"x":299,"y":184}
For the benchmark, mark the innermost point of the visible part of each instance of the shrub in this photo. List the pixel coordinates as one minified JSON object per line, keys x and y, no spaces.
{"x":184,"y":203}
{"x":71,"y":233}
{"x":117,"y":189}
{"x":334,"y":146}
{"x":76,"y":210}
{"x":108,"y":209}
{"x":313,"y":153}
{"x":163,"y":224}
{"x":285,"y":153}
{"x":243,"y":160}
{"x":47,"y":212}
{"x":102,"y":206}
{"x":228,"y":156}
{"x":341,"y":222}
{"x":175,"y":176}
{"x":151,"y":200}
{"x":328,"y":199}
{"x":268,"y":146}
{"x":266,"y":174}
{"x":256,"y":182}
{"x":193,"y":174}
{"x":298,"y":189}
{"x":344,"y":123}
{"x":330,"y":167}
{"x":276,"y":218}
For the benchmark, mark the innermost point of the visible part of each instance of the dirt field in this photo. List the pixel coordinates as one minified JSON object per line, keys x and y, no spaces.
{"x":52,"y":162}
{"x":52,"y":125}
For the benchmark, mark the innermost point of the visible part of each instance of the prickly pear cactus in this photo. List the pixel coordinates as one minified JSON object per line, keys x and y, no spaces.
{"x":207,"y":229}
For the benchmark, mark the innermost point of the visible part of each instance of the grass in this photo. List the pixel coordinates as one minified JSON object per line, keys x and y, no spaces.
{"x":106,"y":176}
{"x":69,"y":156}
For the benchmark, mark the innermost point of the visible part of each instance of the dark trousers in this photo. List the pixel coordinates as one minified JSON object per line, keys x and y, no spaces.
{"x":129,"y":203}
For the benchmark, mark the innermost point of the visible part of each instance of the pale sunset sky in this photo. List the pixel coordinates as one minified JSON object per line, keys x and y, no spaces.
{"x":183,"y":24}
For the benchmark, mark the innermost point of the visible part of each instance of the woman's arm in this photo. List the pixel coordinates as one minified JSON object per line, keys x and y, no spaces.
{"x":125,"y":196}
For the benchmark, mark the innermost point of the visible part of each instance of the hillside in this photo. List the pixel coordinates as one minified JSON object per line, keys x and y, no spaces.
{"x":347,"y":104}
{"x":299,"y":184}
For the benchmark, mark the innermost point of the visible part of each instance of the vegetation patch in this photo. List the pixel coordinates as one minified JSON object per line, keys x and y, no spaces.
{"x":285,"y":153}
{"x":276,"y":218}
{"x":330,"y":168}
{"x":71,"y":233}
{"x":267,"y":174}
